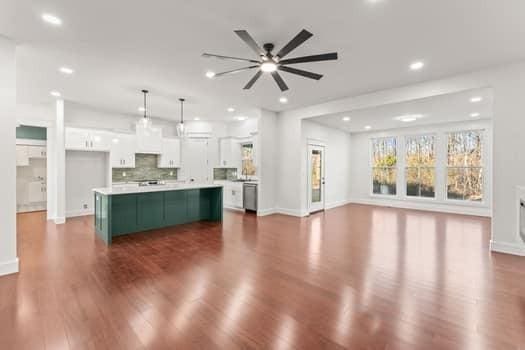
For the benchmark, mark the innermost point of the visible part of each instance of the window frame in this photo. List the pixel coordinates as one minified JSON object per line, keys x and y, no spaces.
{"x":484,"y":166}
{"x":435,"y":137}
{"x":372,"y":167}
{"x":243,"y":145}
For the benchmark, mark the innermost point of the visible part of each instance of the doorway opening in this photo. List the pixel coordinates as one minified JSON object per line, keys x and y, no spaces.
{"x":31,"y":169}
{"x":316,"y":178}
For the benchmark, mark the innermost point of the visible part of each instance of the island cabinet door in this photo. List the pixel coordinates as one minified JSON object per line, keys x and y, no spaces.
{"x":175,"y":209}
{"x":123,"y":214}
{"x":193,"y":204}
{"x":150,"y":208}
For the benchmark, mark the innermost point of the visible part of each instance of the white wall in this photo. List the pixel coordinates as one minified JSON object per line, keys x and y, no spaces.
{"x":266,"y":159}
{"x":337,"y":163}
{"x":8,"y":255}
{"x":508,"y":84}
{"x":84,"y":171}
{"x":361,"y":174}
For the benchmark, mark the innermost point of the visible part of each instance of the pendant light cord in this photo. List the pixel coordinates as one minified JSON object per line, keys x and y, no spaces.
{"x":181,"y":110}
{"x":145,"y":109}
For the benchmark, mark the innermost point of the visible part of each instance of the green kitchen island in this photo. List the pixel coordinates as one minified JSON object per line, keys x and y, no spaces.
{"x":125,"y":210}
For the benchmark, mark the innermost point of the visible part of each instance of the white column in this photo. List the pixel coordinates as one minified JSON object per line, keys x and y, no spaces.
{"x":266,"y":162}
{"x":60,"y":165}
{"x":8,"y":256}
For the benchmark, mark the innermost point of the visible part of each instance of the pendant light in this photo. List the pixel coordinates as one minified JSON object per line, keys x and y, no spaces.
{"x":181,"y":130}
{"x":145,"y":120}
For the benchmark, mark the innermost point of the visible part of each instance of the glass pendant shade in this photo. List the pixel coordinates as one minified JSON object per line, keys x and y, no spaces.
{"x":181,"y":129}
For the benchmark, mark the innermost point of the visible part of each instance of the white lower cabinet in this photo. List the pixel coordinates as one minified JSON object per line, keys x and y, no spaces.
{"x":123,"y":148}
{"x":36,"y":192}
{"x":232,"y":195}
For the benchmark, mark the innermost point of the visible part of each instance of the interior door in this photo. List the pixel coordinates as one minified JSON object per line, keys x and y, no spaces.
{"x":316,"y":178}
{"x":195,"y":160}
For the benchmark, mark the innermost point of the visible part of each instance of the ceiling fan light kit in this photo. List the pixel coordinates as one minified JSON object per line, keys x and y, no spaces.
{"x":270,"y":63}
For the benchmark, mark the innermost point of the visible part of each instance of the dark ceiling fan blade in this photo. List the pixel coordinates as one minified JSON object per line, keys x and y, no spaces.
{"x":235,"y":71}
{"x":250,"y":42}
{"x":301,"y":72}
{"x":253,"y":80}
{"x":221,"y":57}
{"x":279,"y":81}
{"x":312,"y":58}
{"x":294,"y":43}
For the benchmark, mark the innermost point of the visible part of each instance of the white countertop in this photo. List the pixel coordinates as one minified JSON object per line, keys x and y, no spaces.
{"x":153,"y":188}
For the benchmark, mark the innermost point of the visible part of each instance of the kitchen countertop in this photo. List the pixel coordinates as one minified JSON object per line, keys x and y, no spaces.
{"x":152,"y":188}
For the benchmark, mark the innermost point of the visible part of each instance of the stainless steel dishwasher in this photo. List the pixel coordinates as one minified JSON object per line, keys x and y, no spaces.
{"x":249,"y":197}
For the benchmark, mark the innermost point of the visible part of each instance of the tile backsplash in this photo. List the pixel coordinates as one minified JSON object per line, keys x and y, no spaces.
{"x":224,"y":173}
{"x":145,"y":169}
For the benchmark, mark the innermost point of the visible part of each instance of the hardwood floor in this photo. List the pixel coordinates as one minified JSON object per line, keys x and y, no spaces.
{"x":357,"y":277}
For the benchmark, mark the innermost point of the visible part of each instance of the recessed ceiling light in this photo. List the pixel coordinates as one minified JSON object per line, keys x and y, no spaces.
{"x":346,"y":119}
{"x":408,"y":118}
{"x":476,"y":99}
{"x":417,"y":65}
{"x":283,"y":100}
{"x":240,"y":118}
{"x":475,"y":115}
{"x":210,"y":74}
{"x":55,"y":93}
{"x":231,"y":109}
{"x":268,"y":67}
{"x":51,"y":19}
{"x":196,"y":118}
{"x":66,"y":70}
{"x":368,"y":127}
{"x":141,"y":109}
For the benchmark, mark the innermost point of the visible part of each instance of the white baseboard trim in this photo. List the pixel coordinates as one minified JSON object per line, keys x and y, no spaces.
{"x":8,"y":267}
{"x":442,"y":208}
{"x":234,"y":208}
{"x":507,"y":248}
{"x":81,"y":212}
{"x":265,"y":212}
{"x":291,"y":212}
{"x":333,"y":205}
{"x":60,"y":220}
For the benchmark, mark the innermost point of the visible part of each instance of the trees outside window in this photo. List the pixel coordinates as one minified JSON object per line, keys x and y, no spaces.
{"x":465,"y":166}
{"x":384,"y":162}
{"x":420,"y":170}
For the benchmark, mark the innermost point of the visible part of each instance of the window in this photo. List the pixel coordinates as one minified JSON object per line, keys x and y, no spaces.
{"x":420,"y":166}
{"x":384,"y":161}
{"x":464,"y":166}
{"x":248,"y":163}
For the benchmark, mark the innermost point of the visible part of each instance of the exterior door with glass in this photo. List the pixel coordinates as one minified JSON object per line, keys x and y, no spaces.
{"x":316,"y":180}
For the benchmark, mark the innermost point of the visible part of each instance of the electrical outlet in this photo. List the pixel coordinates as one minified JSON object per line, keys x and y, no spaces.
{"x":85,"y":206}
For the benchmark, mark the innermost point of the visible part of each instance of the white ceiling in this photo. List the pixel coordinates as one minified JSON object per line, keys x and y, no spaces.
{"x":118,"y":47}
{"x":446,"y":108}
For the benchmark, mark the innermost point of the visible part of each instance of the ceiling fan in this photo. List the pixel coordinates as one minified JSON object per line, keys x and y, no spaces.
{"x":270,"y":63}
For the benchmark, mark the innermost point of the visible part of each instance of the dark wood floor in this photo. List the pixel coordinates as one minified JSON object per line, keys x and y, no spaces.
{"x":358,"y":277}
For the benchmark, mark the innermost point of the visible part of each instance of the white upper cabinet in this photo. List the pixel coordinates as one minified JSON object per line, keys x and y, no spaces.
{"x":36,"y":151}
{"x":170,"y":156}
{"x":149,"y":139}
{"x":230,"y":153}
{"x":123,"y":149}
{"x":22,"y":155}
{"x":87,"y":140}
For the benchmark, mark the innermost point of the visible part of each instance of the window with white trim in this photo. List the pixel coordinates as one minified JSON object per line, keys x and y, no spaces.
{"x":420,"y":166}
{"x":384,"y":163}
{"x":465,"y":165}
